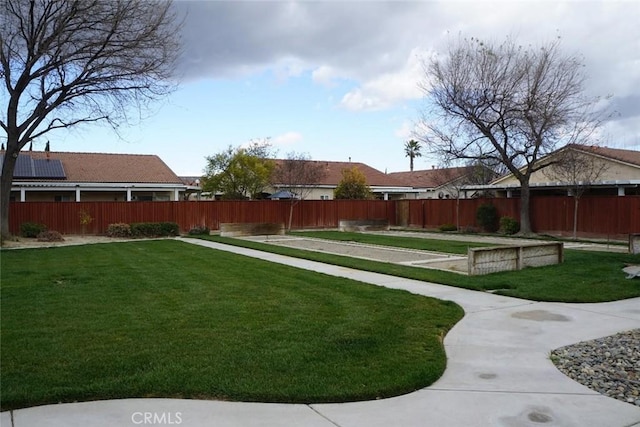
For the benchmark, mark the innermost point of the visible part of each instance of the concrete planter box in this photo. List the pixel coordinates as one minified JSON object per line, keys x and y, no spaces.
{"x":251,"y":229}
{"x":515,"y":257}
{"x":634,"y":243}
{"x":364,"y":225}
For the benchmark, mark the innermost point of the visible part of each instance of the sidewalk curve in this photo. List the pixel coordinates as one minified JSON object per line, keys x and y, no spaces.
{"x":498,"y":373}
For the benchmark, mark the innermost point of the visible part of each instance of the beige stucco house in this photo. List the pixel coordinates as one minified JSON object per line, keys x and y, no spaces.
{"x":42,"y":176}
{"x":617,"y":173}
{"x":383,"y":186}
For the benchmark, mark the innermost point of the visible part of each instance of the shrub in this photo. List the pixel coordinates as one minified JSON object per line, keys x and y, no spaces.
{"x":119,"y":229}
{"x":509,"y":225}
{"x":448,"y":227}
{"x":154,"y":229}
{"x":32,"y":229}
{"x":50,"y":236}
{"x":200,"y":229}
{"x":487,"y":217}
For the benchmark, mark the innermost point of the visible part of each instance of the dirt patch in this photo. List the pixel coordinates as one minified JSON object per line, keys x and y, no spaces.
{"x":69,"y":240}
{"x":411,"y":257}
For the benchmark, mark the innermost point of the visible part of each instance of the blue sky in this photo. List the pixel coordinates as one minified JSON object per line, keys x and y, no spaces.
{"x":339,"y":80}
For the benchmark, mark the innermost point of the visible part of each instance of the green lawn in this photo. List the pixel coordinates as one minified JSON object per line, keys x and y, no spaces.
{"x":583,"y":277}
{"x":169,"y":319}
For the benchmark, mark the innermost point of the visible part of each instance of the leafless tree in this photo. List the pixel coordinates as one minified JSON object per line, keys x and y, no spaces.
{"x":578,"y":169}
{"x":70,"y":62}
{"x":454,"y":179}
{"x":299,"y":175}
{"x":506,"y":103}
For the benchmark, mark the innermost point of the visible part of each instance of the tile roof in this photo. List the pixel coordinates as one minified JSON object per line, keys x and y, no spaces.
{"x":431,"y":178}
{"x":333,"y":174}
{"x":627,"y":156}
{"x":112,"y":168}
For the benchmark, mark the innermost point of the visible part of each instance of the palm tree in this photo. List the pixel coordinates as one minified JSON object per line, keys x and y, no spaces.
{"x":412,"y":150}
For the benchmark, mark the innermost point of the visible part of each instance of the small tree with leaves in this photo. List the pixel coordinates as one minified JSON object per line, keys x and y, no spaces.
{"x":353,"y":185}
{"x":239,"y":173}
{"x":299,"y":175}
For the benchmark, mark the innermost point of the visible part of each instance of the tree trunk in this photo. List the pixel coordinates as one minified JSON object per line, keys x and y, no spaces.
{"x":576,"y":200}
{"x":525,"y":220}
{"x":8,"y":166}
{"x":458,"y":213}
{"x":291,"y":205}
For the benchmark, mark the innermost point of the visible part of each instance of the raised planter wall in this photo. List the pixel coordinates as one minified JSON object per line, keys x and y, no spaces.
{"x":634,"y":243}
{"x":364,"y":225}
{"x":250,"y":229}
{"x":516,"y":257}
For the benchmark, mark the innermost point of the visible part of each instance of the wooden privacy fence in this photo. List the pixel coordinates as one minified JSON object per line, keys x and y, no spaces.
{"x":611,"y":216}
{"x":598,"y":216}
{"x":65,"y":216}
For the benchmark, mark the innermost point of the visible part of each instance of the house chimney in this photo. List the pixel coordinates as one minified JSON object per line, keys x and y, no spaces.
{"x":433,"y":166}
{"x":46,"y":149}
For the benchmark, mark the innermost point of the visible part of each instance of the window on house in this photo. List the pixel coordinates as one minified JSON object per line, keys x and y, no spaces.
{"x":61,"y":198}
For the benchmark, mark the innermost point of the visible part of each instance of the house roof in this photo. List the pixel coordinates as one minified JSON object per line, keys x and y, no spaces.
{"x":333,"y":174}
{"x":431,"y":178}
{"x":627,"y":156}
{"x":191,"y":180}
{"x":109,"y":168}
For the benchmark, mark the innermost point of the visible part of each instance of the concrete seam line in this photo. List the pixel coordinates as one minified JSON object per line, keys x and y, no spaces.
{"x":323,"y":416}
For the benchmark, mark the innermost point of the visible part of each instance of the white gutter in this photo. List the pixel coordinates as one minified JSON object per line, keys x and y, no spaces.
{"x":628,"y":182}
{"x":94,"y":186}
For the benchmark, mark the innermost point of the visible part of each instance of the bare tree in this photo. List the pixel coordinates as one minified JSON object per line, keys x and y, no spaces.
{"x":70,"y":62}
{"x":508,"y":104}
{"x":454,"y":179}
{"x":298,"y":175}
{"x":578,"y":169}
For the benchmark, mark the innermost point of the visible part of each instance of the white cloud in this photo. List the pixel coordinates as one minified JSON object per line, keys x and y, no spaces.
{"x":287,"y":138}
{"x":325,"y":75}
{"x":406,"y":130}
{"x":374,"y":43}
{"x":390,"y":88}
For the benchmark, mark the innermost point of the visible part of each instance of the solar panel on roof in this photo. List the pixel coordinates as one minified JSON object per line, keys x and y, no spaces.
{"x":48,"y":168}
{"x":28,"y":167}
{"x":24,"y":167}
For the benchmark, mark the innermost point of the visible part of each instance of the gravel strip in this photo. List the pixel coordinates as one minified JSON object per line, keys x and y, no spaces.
{"x":609,"y":365}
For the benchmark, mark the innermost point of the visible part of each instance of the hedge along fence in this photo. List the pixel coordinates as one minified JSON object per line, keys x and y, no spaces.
{"x":604,"y":216}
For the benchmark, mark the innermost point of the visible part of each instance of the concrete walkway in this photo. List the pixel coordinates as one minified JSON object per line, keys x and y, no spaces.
{"x":498,"y":373}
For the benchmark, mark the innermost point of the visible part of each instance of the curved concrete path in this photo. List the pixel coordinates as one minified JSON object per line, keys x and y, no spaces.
{"x":498,"y":373}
